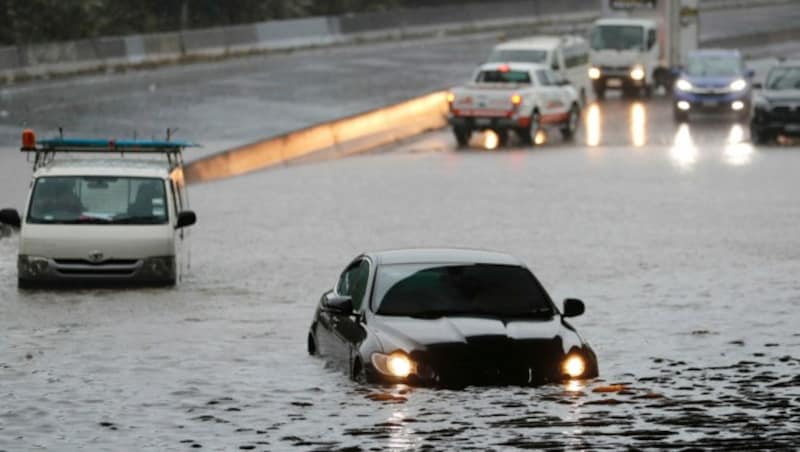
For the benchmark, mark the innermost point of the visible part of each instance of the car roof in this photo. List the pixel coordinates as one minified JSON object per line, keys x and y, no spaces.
{"x":513,"y":66}
{"x":539,"y":42}
{"x":715,"y":52}
{"x":442,"y":255}
{"x":626,"y":21}
{"x":105,"y":167}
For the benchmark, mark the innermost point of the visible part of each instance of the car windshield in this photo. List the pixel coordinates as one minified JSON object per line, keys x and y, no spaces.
{"x":98,"y":200}
{"x":518,"y":56}
{"x":618,"y":37}
{"x":503,"y":77}
{"x":435,"y":290}
{"x":781,"y":78}
{"x":713,"y":66}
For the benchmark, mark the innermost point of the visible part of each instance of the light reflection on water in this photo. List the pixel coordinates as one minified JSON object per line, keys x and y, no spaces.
{"x":683,"y":152}
{"x":737,"y":152}
{"x":638,"y":124}
{"x":593,"y":125}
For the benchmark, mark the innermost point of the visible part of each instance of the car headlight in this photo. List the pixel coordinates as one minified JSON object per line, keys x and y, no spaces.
{"x":32,"y":266}
{"x":395,"y":364}
{"x":573,"y":366}
{"x":738,"y":85}
{"x":594,"y":73}
{"x":683,"y":85}
{"x":637,"y":72}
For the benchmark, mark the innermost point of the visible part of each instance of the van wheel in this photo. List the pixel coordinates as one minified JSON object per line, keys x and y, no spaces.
{"x":312,"y":344}
{"x":571,"y":126}
{"x":462,"y":135}
{"x":358,"y":372}
{"x":24,"y":284}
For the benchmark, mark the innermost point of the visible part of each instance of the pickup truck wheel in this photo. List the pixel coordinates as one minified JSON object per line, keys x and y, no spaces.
{"x":571,"y":125}
{"x":502,"y":137}
{"x":528,"y":136}
{"x":462,"y":135}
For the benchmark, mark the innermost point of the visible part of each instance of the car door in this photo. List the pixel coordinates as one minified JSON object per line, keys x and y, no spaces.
{"x":551,"y":102}
{"x":348,"y":330}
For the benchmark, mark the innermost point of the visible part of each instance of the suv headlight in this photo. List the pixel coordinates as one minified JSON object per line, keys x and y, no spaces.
{"x":738,"y":85}
{"x":683,"y":85}
{"x":32,"y":266}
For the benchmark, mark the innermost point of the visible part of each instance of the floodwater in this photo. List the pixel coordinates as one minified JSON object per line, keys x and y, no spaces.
{"x":682,"y":241}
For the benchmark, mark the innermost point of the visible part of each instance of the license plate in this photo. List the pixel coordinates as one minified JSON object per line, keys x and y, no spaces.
{"x":710,"y":103}
{"x":483,"y":121}
{"x":614,"y":82}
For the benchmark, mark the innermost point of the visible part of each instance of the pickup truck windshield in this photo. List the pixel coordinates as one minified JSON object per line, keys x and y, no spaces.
{"x":618,"y":37}
{"x":784,"y":78}
{"x":503,"y":77}
{"x":713,"y":66}
{"x":517,"y":56}
{"x":98,"y":200}
{"x":435,"y":290}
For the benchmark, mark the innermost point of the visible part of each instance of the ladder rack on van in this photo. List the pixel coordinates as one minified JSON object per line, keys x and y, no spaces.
{"x":45,"y":150}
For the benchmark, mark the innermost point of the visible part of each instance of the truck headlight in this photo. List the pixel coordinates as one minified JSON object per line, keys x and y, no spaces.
{"x":637,"y":72}
{"x":738,"y":85}
{"x":683,"y":85}
{"x":32,"y":266}
{"x":594,"y":73}
{"x":395,"y":364}
{"x":574,"y":366}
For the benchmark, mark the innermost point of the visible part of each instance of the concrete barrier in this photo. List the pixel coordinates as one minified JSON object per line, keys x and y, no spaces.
{"x":354,"y":134}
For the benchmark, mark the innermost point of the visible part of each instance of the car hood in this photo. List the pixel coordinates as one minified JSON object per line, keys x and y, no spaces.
{"x":412,"y":334}
{"x":784,"y":96}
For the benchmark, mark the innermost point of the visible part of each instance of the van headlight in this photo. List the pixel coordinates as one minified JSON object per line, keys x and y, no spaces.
{"x":32,"y":266}
{"x":396,"y":364}
{"x":159,"y":267}
{"x":594,"y":73}
{"x":637,"y":72}
{"x":683,"y":85}
{"x":738,"y":85}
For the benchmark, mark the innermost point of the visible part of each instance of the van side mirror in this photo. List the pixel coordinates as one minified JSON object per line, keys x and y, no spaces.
{"x":573,"y":307}
{"x":338,"y":304}
{"x":758,"y":85}
{"x":186,"y":218}
{"x":10,"y":217}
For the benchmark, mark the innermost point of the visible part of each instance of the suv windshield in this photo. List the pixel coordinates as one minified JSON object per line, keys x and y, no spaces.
{"x":503,"y":77}
{"x":517,"y":56}
{"x":435,"y":290}
{"x":714,"y":66}
{"x":784,"y":78}
{"x":618,"y":37}
{"x":98,"y":200}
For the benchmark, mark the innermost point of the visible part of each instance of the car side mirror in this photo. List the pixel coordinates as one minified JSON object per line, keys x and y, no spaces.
{"x":338,"y":304}
{"x":758,"y":85}
{"x":10,"y":217}
{"x":750,"y":73}
{"x":186,"y":218}
{"x":573,"y":307}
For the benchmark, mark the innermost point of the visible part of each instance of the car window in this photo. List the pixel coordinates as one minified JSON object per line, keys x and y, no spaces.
{"x":781,"y":78}
{"x":517,"y":56}
{"x":555,"y":64}
{"x":459,"y":289}
{"x":543,"y":78}
{"x":353,"y":282}
{"x":576,"y":55}
{"x":503,"y":76}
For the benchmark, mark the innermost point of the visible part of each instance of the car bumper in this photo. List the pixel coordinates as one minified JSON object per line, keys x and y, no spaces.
{"x":493,"y":122}
{"x":42,"y":271}
{"x":782,"y":123}
{"x":712,"y":102}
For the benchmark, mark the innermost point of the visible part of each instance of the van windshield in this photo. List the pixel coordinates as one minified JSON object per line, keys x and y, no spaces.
{"x":98,"y":200}
{"x":517,"y":56}
{"x":618,"y":37}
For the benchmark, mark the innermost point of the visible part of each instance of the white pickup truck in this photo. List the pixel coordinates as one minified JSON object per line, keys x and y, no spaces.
{"x":520,"y":97}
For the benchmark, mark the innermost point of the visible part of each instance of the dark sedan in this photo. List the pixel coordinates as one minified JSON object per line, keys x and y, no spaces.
{"x":447,"y":317}
{"x":777,"y":106}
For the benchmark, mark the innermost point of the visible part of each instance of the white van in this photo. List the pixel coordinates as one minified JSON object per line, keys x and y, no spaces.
{"x":102,"y":220}
{"x":567,"y":56}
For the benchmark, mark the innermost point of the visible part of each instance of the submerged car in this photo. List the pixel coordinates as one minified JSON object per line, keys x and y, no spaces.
{"x":777,"y":106}
{"x":713,"y":81}
{"x":447,"y":317}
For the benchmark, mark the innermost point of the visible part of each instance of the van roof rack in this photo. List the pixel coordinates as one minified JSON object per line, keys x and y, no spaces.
{"x":45,"y":150}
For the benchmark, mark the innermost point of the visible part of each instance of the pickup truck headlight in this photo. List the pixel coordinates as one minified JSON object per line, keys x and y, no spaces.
{"x":683,"y":85}
{"x":637,"y":72}
{"x":738,"y":85}
{"x":32,"y":266}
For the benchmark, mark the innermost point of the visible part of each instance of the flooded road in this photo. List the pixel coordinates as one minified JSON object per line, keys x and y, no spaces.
{"x":686,"y":257}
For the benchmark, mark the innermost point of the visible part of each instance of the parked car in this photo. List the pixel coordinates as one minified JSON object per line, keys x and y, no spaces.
{"x":776,"y":108}
{"x":102,"y":220}
{"x":447,"y":317}
{"x":567,"y":56}
{"x":714,"y":81}
{"x":519,"y":97}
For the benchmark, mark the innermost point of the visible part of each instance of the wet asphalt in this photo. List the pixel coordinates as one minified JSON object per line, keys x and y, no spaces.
{"x":682,"y":241}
